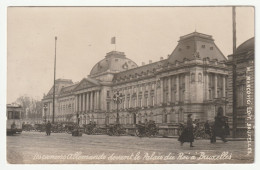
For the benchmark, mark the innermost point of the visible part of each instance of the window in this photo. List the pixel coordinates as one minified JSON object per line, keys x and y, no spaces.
{"x":200,"y":78}
{"x":108,"y":93}
{"x":203,"y":46}
{"x":188,"y":47}
{"x":10,"y":115}
{"x":192,"y":77}
{"x":108,"y":106}
{"x":211,"y":48}
{"x":179,"y":49}
{"x":152,"y":100}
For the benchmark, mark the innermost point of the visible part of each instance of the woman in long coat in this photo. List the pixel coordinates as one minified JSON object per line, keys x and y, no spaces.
{"x":187,"y":134}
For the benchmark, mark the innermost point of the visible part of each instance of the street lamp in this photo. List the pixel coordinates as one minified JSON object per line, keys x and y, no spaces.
{"x":117,"y":98}
{"x":45,"y":109}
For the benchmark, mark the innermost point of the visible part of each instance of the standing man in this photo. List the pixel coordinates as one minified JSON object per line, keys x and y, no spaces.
{"x":219,"y":127}
{"x":48,"y":128}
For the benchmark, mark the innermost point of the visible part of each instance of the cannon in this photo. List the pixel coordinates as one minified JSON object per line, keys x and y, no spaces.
{"x":115,"y":130}
{"x":148,"y":129}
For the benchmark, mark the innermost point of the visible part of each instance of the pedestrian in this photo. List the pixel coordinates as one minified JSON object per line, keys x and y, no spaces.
{"x":48,"y":128}
{"x":187,"y":134}
{"x":219,"y":127}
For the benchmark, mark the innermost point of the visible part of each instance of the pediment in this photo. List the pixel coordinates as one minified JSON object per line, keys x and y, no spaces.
{"x":85,"y":84}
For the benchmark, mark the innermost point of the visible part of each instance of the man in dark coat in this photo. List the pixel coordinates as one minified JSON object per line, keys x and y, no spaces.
{"x":48,"y":128}
{"x":187,"y":134}
{"x":219,"y":127}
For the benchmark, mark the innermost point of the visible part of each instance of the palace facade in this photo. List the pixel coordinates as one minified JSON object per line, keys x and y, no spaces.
{"x":191,"y":80}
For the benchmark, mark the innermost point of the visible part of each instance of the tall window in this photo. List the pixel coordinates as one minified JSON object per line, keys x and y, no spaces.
{"x":220,"y":86}
{"x":211,"y":85}
{"x":182,"y":87}
{"x":192,"y":77}
{"x":108,"y":94}
{"x":200,"y":78}
{"x":108,"y":106}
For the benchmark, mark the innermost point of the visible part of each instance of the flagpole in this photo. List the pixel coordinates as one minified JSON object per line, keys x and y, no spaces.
{"x":234,"y":74}
{"x":54,"y":82}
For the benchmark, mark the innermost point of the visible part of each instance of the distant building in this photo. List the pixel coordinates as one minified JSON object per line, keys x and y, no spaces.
{"x":191,"y":80}
{"x":245,"y":86}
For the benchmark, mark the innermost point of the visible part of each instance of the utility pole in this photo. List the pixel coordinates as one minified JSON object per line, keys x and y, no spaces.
{"x":54,"y":82}
{"x":234,"y":73}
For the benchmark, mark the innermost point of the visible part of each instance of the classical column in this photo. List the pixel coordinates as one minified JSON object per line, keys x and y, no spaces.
{"x":124,"y":106}
{"x":84,"y":102}
{"x":224,"y":86}
{"x":130,"y":99}
{"x":80,"y":102}
{"x":169,"y":90}
{"x":177,"y":89}
{"x":216,"y":86}
{"x":207,"y":86}
{"x":94,"y":100}
{"x":98,"y":100}
{"x":187,"y":85}
{"x":76,"y":103}
{"x":161,"y":92}
{"x":149,"y":94}
{"x":143,"y":97}
{"x":137,"y":96}
{"x":91,"y":101}
{"x":87,"y":101}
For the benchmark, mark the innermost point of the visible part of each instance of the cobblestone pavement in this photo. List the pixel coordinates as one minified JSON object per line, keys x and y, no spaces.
{"x":36,"y":147}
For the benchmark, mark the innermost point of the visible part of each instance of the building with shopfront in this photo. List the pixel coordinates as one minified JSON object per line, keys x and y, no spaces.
{"x":191,"y":80}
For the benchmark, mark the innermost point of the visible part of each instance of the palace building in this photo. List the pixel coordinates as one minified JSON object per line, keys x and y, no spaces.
{"x":191,"y":80}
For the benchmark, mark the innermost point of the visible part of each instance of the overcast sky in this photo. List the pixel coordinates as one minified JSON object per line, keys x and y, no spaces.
{"x":84,"y":35}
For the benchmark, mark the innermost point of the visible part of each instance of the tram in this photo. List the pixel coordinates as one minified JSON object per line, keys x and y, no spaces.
{"x":14,"y":119}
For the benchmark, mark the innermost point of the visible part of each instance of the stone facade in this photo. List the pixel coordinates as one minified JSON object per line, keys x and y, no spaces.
{"x":245,"y":71}
{"x":191,"y":80}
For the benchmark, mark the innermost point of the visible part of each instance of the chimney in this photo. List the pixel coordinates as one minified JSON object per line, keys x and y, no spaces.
{"x":143,"y":63}
{"x":161,"y":58}
{"x":150,"y":61}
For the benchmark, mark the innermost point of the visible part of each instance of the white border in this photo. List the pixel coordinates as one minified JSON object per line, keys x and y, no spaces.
{"x":3,"y":53}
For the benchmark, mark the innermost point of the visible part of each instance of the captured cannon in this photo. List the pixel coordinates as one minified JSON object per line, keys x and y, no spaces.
{"x":148,"y":129}
{"x":115,"y":130}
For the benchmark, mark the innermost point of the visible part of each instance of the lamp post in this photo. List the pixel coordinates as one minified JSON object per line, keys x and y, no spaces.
{"x":117,"y":98}
{"x":45,"y":109}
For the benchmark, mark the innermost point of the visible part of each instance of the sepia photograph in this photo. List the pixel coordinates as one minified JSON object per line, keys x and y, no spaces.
{"x":130,"y":85}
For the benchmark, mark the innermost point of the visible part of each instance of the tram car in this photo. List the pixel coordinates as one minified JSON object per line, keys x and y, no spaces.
{"x":14,"y":119}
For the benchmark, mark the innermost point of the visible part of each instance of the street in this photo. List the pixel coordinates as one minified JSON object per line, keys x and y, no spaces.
{"x":36,"y":147}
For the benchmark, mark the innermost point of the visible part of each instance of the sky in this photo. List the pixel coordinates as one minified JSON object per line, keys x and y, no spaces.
{"x":84,"y":34}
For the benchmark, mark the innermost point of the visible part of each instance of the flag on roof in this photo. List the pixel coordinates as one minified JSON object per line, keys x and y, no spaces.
{"x":113,"y":40}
